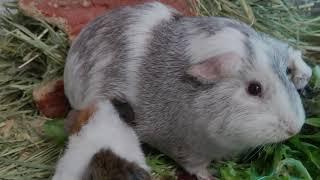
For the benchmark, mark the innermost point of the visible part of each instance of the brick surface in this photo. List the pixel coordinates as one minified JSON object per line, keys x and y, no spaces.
{"x":73,"y":15}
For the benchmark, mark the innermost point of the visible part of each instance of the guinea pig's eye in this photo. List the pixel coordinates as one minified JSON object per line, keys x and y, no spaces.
{"x":289,"y":71}
{"x":254,"y":88}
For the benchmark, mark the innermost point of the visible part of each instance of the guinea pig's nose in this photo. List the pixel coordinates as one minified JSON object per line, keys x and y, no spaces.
{"x":290,"y":132}
{"x":292,"y":129}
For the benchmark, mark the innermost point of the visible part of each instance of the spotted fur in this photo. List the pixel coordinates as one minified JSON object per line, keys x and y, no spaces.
{"x":145,"y":53}
{"x":101,"y":147}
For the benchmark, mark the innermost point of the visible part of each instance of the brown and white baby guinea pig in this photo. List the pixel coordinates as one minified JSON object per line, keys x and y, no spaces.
{"x":102,"y":146}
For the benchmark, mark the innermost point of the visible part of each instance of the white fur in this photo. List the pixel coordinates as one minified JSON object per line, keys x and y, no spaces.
{"x":287,"y":119}
{"x":301,"y":71}
{"x":261,"y":49}
{"x":73,"y":82}
{"x":259,"y":128}
{"x":138,"y":35}
{"x":227,"y":40}
{"x":97,"y":76}
{"x":104,"y":130}
{"x":74,"y":88}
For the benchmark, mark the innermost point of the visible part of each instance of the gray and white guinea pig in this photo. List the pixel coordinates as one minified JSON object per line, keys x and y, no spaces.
{"x":102,"y":146}
{"x":202,"y":88}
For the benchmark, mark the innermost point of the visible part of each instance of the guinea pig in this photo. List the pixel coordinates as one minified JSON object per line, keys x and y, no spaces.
{"x":202,"y":88}
{"x":102,"y":146}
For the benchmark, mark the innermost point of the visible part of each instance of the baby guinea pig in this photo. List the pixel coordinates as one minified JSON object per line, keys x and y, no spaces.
{"x":202,"y":88}
{"x":102,"y":146}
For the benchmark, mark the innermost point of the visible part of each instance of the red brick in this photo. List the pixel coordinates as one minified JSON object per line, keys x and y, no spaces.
{"x":73,"y":15}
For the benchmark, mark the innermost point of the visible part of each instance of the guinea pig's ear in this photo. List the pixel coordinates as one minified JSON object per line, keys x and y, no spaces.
{"x":217,"y":67}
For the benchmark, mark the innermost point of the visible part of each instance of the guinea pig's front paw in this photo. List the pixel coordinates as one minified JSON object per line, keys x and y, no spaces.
{"x":187,"y":176}
{"x":206,"y":177}
{"x":204,"y":174}
{"x":198,"y":168}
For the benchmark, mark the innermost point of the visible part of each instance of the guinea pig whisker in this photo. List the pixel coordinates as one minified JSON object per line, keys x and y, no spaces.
{"x":257,"y":151}
{"x":253,"y":152}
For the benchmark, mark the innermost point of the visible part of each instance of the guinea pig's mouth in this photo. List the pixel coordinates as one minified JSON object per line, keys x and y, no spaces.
{"x":305,"y":92}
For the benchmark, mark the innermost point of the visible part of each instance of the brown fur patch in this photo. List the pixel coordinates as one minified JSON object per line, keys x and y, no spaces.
{"x":76,"y":119}
{"x":106,"y":165}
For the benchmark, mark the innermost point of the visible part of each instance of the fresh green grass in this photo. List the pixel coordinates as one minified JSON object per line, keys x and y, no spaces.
{"x":32,"y":52}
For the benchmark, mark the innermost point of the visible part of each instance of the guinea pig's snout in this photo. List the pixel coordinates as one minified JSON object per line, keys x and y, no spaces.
{"x":291,"y":131}
{"x":292,"y":127}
